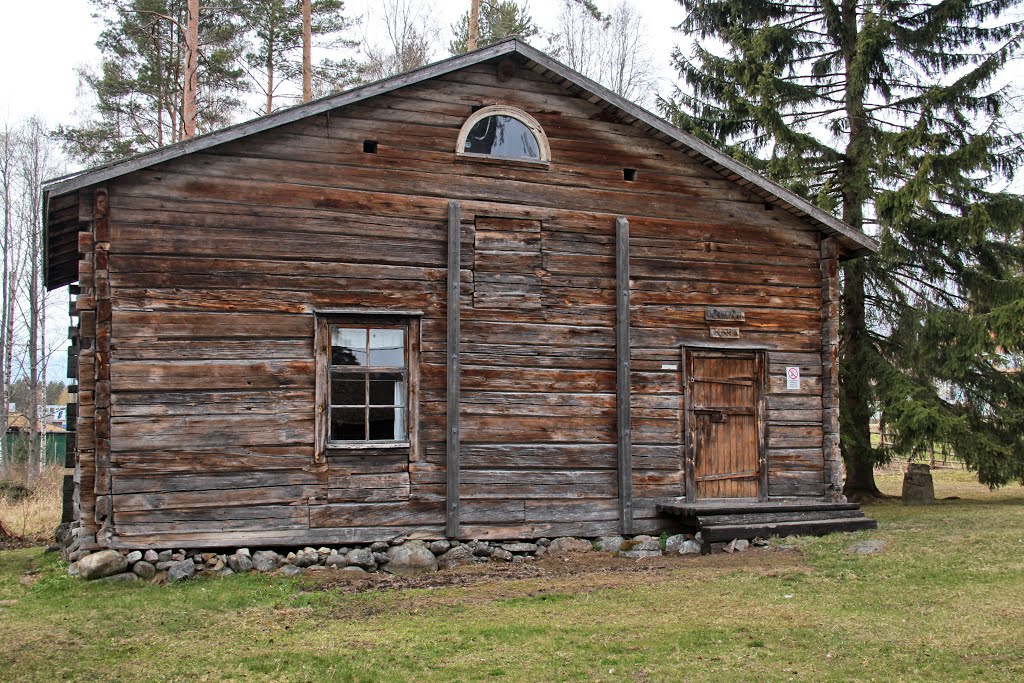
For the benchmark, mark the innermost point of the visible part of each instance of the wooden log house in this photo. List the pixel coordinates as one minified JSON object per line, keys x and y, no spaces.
{"x":485,"y":299}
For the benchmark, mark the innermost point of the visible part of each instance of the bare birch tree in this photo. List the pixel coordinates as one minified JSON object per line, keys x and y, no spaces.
{"x":7,"y":160}
{"x":411,"y":34}
{"x":611,"y":49}
{"x":37,"y":162}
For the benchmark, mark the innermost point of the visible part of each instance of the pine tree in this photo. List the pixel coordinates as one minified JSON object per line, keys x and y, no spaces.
{"x":499,"y":19}
{"x":275,"y":53}
{"x":891,"y":115}
{"x":139,"y":88}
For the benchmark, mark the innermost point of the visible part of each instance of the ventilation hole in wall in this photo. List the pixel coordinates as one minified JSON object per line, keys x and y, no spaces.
{"x":477,"y":107}
{"x":769,"y":207}
{"x":629,"y":174}
{"x":370,"y":146}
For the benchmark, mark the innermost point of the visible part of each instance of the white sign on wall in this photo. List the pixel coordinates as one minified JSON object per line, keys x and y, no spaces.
{"x":793,"y":377}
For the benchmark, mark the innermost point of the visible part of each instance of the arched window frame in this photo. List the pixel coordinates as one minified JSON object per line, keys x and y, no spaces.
{"x":502,"y":110}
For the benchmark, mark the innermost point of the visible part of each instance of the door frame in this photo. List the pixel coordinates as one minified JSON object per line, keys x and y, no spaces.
{"x":760,"y":394}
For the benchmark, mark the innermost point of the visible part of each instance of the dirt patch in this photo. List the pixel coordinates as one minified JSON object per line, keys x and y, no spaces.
{"x":551,"y":576}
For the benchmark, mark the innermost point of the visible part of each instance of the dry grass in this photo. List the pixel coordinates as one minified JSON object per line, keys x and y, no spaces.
{"x":35,"y":516}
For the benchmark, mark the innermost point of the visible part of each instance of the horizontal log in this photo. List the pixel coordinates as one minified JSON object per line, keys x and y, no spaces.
{"x":180,"y":375}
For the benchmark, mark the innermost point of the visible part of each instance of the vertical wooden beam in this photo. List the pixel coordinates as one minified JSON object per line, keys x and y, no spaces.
{"x":452,"y":523}
{"x":760,"y":413}
{"x":322,"y":355}
{"x":622,"y":388}
{"x":689,"y":449}
{"x":834,"y":472}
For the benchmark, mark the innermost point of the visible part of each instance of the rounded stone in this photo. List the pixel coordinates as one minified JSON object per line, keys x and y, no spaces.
{"x":455,"y":557}
{"x":123,"y":577}
{"x":568,"y":544}
{"x":500,"y":554}
{"x":362,"y":557}
{"x":612,"y":544}
{"x":102,"y":564}
{"x":411,"y":558}
{"x":240,"y":563}
{"x":689,"y":548}
{"x":265,"y":560}
{"x":674,"y":543}
{"x":144,"y":570}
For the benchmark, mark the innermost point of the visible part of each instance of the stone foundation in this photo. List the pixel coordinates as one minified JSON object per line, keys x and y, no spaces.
{"x":401,"y":556}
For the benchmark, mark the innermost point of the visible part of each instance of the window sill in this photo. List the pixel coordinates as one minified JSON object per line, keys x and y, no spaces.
{"x":367,"y":445}
{"x":503,"y":161}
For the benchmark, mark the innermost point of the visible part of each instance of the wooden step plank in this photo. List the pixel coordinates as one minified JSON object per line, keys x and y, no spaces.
{"x":735,"y":508}
{"x":728,"y":532}
{"x":772,"y":517}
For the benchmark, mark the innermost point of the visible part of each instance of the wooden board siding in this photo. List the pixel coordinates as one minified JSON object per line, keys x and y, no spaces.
{"x":218,"y":263}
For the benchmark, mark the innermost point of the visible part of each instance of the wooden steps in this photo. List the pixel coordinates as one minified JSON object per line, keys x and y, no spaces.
{"x":721,"y":521}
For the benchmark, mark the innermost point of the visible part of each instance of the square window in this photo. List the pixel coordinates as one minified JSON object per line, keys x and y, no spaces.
{"x":367,"y":384}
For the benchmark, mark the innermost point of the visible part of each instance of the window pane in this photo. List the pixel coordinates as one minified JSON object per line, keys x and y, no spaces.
{"x":502,"y":136}
{"x":347,"y":390}
{"x":386,"y":424}
{"x":348,"y":346}
{"x":347,"y":424}
{"x":387,"y":389}
{"x":387,"y":348}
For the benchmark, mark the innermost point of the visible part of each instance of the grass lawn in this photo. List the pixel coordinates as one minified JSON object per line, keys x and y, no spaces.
{"x":944,"y":602}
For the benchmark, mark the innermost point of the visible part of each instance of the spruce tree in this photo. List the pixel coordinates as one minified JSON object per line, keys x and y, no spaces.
{"x":499,"y":19}
{"x":892,"y":115}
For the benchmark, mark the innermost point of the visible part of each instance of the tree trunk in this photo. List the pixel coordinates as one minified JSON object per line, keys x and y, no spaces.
{"x":6,"y":159}
{"x":855,"y":385}
{"x":160,"y":85}
{"x":270,"y":78}
{"x":474,"y":26}
{"x":34,"y":460}
{"x":307,"y":50}
{"x":855,"y":393}
{"x":190,"y":105}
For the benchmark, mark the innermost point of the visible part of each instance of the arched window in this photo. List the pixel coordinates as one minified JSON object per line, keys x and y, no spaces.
{"x":503,"y":133}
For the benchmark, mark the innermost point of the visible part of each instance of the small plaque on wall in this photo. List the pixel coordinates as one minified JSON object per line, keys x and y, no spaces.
{"x":725,"y":333}
{"x":730,"y":314}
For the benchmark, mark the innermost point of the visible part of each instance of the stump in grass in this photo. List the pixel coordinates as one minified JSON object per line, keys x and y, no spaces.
{"x":918,"y":488}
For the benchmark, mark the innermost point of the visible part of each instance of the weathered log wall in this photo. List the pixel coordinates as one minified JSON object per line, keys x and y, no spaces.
{"x":218,"y":262}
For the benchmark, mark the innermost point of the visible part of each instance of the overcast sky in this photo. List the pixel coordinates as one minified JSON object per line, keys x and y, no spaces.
{"x":42,"y":43}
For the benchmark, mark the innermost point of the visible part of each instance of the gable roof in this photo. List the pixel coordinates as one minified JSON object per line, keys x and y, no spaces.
{"x":855,"y":243}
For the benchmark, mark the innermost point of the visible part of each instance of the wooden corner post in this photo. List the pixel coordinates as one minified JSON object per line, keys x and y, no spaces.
{"x":622,"y":388}
{"x":834,"y":472}
{"x":452,"y":523}
{"x":101,"y":397}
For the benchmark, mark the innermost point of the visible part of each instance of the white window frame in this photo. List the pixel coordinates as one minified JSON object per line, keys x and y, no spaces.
{"x":544,"y":148}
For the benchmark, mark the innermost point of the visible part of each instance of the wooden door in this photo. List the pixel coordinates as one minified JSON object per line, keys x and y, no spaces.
{"x":724,"y":424}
